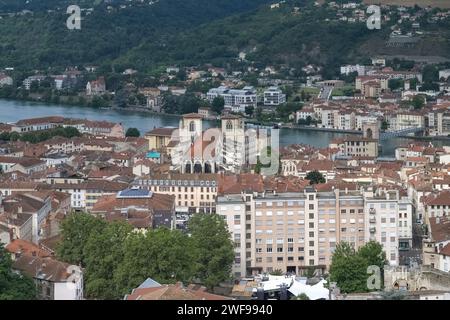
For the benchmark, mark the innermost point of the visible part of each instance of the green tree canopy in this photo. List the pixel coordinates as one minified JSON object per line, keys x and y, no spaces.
{"x":213,"y":248}
{"x":418,"y":102}
{"x":315,"y":177}
{"x":218,"y":104}
{"x":132,"y":132}
{"x":76,"y":229}
{"x":349,"y":267}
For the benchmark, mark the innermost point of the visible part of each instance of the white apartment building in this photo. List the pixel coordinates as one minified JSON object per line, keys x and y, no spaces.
{"x":347,"y":69}
{"x":304,"y":113}
{"x":194,"y":193}
{"x":235,"y":99}
{"x":28,"y":81}
{"x":390,"y":221}
{"x":273,"y":96}
{"x":407,"y":120}
{"x":346,"y":120}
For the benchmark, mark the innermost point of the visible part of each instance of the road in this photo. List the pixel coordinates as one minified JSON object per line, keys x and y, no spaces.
{"x":325,"y":93}
{"x":413,"y":255}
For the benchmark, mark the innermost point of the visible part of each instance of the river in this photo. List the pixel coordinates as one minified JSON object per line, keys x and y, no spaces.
{"x":12,"y":111}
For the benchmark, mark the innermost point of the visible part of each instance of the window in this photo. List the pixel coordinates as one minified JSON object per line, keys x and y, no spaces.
{"x":311,"y":207}
{"x":290,"y":249}
{"x":290,"y":240}
{"x":279,"y":258}
{"x":258,"y":250}
{"x":311,"y":233}
{"x":279,"y":249}
{"x":301,"y":249}
{"x":311,"y":224}
{"x":301,"y":258}
{"x":269,"y":249}
{"x":311,"y":197}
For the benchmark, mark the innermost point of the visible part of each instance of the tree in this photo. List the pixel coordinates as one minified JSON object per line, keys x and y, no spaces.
{"x":103,"y":253}
{"x":418,"y":102}
{"x":98,"y":102}
{"x":249,"y":110}
{"x":132,"y":132}
{"x":349,"y":267}
{"x":372,"y":252}
{"x":76,"y":229}
{"x":277,"y":272}
{"x":315,"y":177}
{"x":14,"y":286}
{"x":218,"y":104}
{"x":213,"y":248}
{"x":164,"y":255}
{"x":395,"y":84}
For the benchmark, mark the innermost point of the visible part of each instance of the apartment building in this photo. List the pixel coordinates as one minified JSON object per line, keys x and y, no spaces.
{"x":437,"y":205}
{"x":347,"y":69}
{"x":84,"y":195}
{"x":356,"y":146}
{"x":28,"y":81}
{"x":389,"y":220}
{"x":235,"y":99}
{"x":286,"y":230}
{"x":407,"y":120}
{"x":24,"y":214}
{"x":298,"y":229}
{"x":194,"y":193}
{"x":273,"y":96}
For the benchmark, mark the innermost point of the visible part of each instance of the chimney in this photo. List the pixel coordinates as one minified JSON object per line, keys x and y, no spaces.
{"x":19,"y":209}
{"x":438,"y":220}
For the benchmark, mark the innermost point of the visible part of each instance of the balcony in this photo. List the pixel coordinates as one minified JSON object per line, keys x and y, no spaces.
{"x":372,"y":211}
{"x":372,"y":220}
{"x":372,"y":229}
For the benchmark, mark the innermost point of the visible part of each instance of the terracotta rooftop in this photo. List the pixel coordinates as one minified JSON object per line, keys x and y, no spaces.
{"x":19,"y":246}
{"x":441,"y":199}
{"x":440,"y":229}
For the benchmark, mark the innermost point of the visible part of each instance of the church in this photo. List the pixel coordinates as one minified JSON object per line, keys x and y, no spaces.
{"x":213,"y":150}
